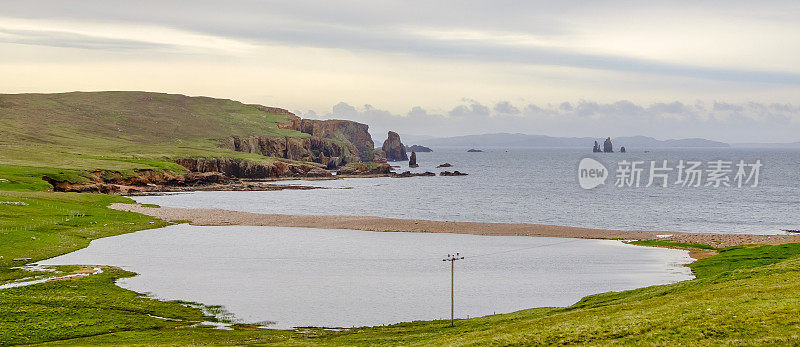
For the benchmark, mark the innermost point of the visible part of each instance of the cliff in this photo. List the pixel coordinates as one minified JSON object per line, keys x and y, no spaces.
{"x":331,"y":143}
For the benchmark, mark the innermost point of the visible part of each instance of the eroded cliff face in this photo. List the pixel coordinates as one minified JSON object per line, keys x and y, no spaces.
{"x":329,"y":153}
{"x":241,"y":168}
{"x":331,"y":143}
{"x":215,"y":173}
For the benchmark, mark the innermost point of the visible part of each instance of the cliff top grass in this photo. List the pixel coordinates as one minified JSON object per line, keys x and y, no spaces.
{"x":125,"y":130}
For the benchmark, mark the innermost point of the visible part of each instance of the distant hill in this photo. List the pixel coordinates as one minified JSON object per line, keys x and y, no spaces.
{"x":767,"y":145}
{"x":524,"y":140}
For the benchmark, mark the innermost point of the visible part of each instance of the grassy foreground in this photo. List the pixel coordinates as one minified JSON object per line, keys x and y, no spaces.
{"x":740,"y":296}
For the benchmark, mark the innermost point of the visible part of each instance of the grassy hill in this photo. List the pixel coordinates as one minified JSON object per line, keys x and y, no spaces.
{"x":106,"y":130}
{"x":64,"y":135}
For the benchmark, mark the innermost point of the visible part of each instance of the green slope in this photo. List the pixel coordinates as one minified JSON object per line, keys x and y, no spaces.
{"x":94,"y":130}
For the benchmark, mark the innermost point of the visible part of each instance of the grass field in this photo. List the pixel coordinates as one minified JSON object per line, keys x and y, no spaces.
{"x":125,"y":130}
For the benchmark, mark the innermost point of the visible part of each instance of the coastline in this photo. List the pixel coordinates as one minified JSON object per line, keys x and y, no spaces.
{"x":220,"y":217}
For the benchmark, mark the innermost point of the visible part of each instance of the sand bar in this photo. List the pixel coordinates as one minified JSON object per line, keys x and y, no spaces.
{"x":369,"y":223}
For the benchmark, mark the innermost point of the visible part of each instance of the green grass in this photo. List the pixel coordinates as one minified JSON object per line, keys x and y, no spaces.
{"x":125,"y":130}
{"x":668,"y":243}
{"x":50,"y":224}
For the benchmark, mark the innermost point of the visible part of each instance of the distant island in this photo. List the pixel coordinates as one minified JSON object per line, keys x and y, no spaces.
{"x":544,"y":141}
{"x":418,"y":148}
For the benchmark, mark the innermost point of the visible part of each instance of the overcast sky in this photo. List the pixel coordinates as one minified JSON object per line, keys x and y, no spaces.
{"x":724,"y":70}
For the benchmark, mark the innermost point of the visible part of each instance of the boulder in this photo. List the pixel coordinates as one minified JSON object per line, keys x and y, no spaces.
{"x":412,"y":162}
{"x":394,"y":148}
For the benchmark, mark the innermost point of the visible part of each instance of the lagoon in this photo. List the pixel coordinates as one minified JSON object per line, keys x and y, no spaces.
{"x":289,"y":277}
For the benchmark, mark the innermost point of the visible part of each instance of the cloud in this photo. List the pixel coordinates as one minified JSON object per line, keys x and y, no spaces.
{"x":523,"y":33}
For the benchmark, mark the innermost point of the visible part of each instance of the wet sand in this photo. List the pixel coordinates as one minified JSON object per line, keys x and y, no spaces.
{"x":368,"y":223}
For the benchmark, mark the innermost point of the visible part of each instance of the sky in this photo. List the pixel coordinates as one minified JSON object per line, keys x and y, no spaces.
{"x":723,"y":70}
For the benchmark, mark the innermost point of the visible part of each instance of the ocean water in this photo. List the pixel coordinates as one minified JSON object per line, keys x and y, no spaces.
{"x":541,"y":186}
{"x":289,"y":277}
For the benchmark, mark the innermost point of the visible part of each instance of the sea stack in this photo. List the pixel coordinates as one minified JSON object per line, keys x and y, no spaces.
{"x":412,"y":162}
{"x":393,"y":147}
{"x":596,"y":148}
{"x":622,"y":149}
{"x":607,"y":146}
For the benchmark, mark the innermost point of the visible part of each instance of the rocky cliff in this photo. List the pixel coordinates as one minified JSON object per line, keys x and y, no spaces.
{"x":331,"y":143}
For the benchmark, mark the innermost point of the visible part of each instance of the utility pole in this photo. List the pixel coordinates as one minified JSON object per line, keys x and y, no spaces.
{"x":452,"y":259}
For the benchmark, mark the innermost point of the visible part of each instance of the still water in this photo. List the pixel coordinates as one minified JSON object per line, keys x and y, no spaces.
{"x":288,"y":277}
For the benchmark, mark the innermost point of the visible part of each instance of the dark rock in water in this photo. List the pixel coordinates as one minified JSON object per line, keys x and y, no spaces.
{"x":445,"y":165}
{"x":394,"y":148}
{"x":406,"y":174}
{"x":361,"y":169}
{"x":622,"y":149}
{"x":473,"y":150}
{"x":418,"y":148}
{"x":607,"y":146}
{"x":412,"y":162}
{"x":596,"y":148}
{"x":454,"y":173}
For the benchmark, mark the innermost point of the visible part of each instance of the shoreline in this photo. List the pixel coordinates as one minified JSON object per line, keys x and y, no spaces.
{"x":220,"y":217}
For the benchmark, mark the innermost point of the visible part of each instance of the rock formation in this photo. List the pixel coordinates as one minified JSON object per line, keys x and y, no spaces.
{"x":394,"y":148}
{"x":607,"y":146}
{"x":596,"y":148}
{"x":412,"y":162}
{"x":454,"y":173}
{"x":622,"y":149}
{"x":406,"y":174}
{"x":242,"y":168}
{"x":418,"y":148}
{"x":361,"y":169}
{"x":445,"y":165}
{"x":331,"y":143}
{"x":473,"y":150}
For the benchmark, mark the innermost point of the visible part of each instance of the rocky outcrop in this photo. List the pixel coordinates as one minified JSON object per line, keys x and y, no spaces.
{"x":406,"y":174}
{"x":596,"y":148}
{"x":329,"y":153}
{"x":622,"y":149}
{"x":454,"y":173}
{"x":444,"y":165}
{"x":418,"y":148}
{"x":332,"y":143}
{"x":412,"y":161}
{"x":394,"y":148}
{"x":607,"y":146}
{"x":473,"y":150}
{"x":362,"y":169}
{"x":241,"y":168}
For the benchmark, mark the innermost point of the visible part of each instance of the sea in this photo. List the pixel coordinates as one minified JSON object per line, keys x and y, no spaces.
{"x":533,"y":185}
